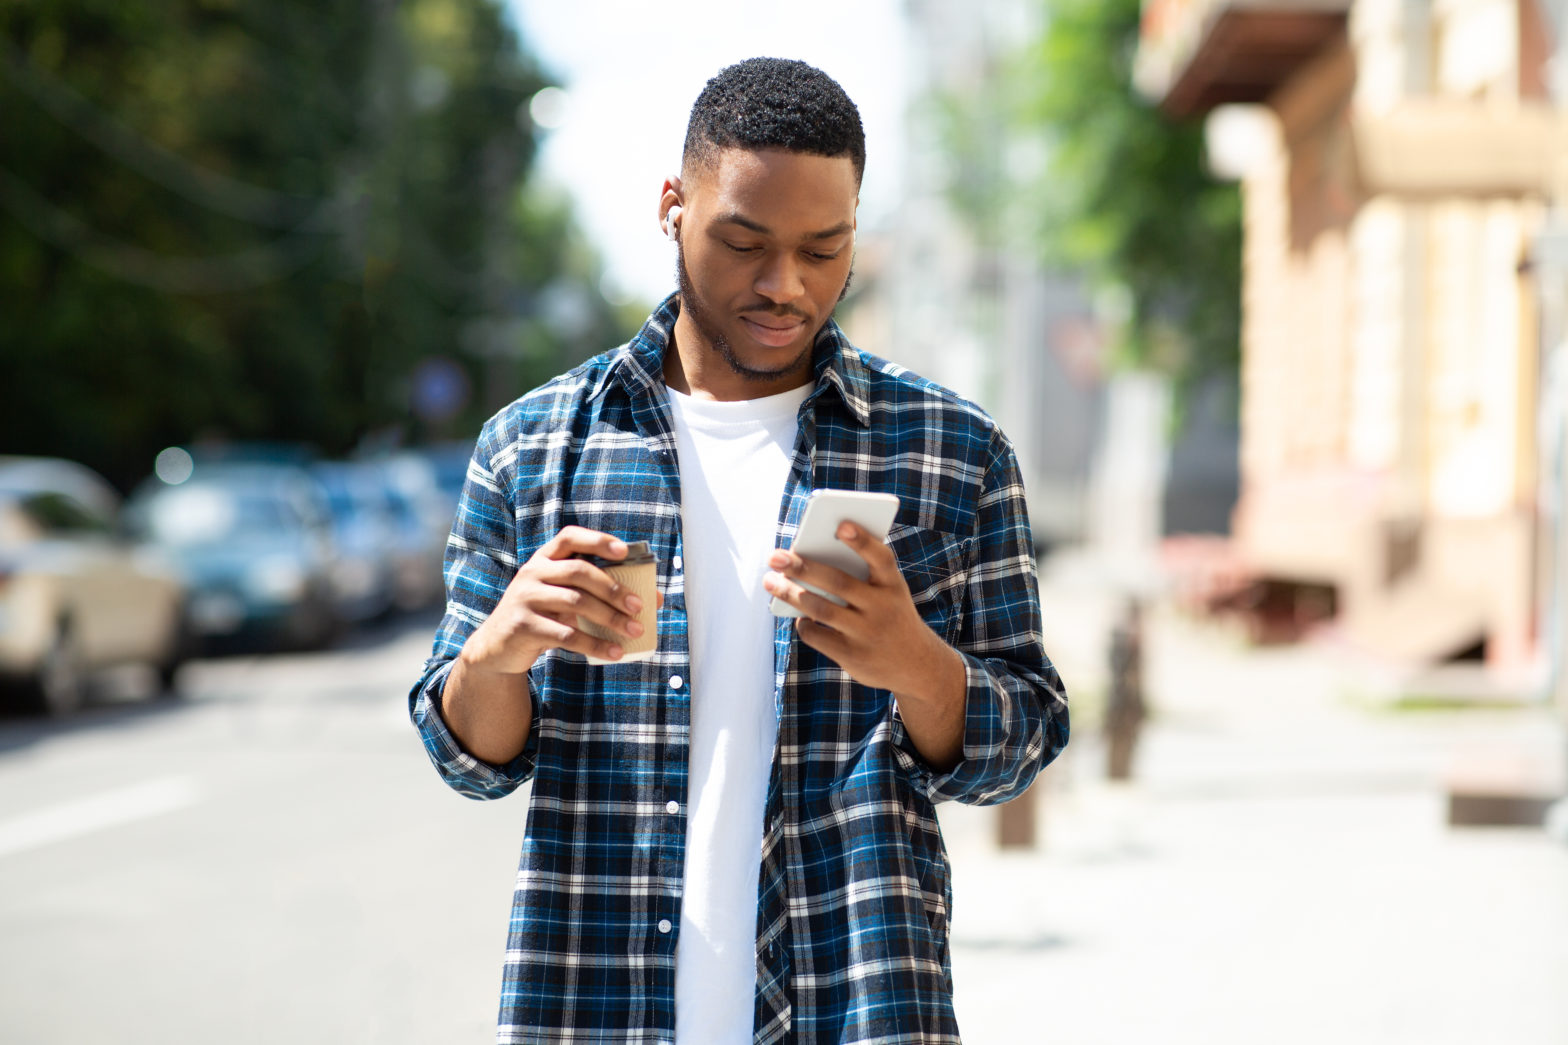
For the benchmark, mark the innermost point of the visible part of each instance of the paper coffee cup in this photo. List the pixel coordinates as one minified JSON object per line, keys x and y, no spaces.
{"x":638,"y":573}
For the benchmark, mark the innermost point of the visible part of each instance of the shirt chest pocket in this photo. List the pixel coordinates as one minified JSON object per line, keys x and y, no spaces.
{"x":935,"y":565}
{"x":621,"y":495}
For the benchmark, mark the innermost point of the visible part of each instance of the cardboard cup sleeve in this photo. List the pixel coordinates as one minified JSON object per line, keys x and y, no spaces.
{"x":642,"y":579}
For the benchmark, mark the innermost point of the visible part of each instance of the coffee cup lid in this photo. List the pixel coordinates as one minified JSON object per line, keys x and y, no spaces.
{"x":638,"y":553}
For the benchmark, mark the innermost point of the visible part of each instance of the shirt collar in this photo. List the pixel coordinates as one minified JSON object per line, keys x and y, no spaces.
{"x":638,"y":365}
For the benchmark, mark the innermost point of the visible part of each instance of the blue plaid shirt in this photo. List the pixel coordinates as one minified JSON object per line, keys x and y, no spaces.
{"x":852,"y":914}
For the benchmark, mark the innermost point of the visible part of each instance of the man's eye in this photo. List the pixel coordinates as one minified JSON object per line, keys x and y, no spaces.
{"x":737,"y":248}
{"x":815,"y":255}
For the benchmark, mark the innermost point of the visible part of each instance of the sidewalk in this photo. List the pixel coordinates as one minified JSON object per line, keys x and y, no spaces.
{"x":1280,"y":870}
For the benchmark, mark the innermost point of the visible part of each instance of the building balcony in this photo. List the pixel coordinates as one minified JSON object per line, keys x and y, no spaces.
{"x":1194,"y":55}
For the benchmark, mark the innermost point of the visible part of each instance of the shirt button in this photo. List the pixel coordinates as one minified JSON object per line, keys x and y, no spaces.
{"x":672,"y":807}
{"x":675,"y":681}
{"x":677,"y":563}
{"x":664,"y":925}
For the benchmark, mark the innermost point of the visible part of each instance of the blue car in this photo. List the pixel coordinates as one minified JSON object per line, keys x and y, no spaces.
{"x":364,"y":529}
{"x":254,"y":545}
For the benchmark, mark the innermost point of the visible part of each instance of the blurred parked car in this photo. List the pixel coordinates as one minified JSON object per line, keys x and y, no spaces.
{"x":254,"y":545}
{"x":364,"y":573}
{"x":449,"y":463}
{"x":74,"y":595}
{"x":423,"y":521}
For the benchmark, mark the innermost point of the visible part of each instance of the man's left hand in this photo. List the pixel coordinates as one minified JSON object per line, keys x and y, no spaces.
{"x":878,"y":637}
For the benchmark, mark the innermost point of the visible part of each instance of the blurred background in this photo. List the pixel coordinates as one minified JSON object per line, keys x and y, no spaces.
{"x":1271,"y":296}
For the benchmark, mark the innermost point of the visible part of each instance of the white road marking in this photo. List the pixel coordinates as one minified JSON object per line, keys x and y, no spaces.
{"x":86,"y":815}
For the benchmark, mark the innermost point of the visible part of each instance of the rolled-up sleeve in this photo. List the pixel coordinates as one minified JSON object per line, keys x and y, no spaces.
{"x":462,"y":771}
{"x":1015,"y":715}
{"x":481,"y":558}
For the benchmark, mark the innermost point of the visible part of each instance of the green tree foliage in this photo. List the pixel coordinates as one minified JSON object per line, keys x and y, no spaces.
{"x":1098,"y":180}
{"x":253,"y":219}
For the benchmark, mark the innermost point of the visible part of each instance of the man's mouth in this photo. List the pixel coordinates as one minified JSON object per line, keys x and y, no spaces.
{"x":773,"y":331}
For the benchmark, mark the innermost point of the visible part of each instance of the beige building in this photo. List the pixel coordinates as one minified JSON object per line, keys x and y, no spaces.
{"x":1399,"y":159}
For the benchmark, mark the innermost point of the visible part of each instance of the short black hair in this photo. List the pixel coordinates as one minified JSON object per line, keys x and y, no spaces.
{"x":775,"y":103}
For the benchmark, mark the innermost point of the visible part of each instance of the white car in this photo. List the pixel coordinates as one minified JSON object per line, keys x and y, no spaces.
{"x":75,"y":597}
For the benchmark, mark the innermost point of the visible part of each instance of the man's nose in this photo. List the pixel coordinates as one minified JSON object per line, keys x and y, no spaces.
{"x":779,"y":281}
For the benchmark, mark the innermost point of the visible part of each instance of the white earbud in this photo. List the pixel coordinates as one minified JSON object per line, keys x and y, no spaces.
{"x":669,"y":222}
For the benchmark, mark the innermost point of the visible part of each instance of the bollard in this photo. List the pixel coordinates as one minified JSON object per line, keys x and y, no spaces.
{"x":1125,"y":709}
{"x":1015,"y":824}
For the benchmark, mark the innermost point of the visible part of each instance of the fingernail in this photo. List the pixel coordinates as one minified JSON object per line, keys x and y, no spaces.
{"x":634,"y":628}
{"x":617,"y":547}
{"x":633,"y":605}
{"x":845,"y":531}
{"x":769,"y":582}
{"x":616,"y":652}
{"x":778,"y":560}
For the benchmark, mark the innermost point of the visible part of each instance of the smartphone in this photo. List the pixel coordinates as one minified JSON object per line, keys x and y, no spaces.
{"x":815,"y":540}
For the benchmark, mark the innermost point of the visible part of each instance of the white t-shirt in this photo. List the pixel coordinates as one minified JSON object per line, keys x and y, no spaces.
{"x":734,"y":460}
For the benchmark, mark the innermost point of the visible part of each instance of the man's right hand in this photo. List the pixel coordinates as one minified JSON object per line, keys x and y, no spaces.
{"x":539,"y":609}
{"x":485,"y":702}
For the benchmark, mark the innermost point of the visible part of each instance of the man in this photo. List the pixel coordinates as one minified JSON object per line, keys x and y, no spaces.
{"x":735,"y":841}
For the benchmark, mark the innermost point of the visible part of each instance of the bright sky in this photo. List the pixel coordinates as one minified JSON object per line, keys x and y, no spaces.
{"x":632,"y":69}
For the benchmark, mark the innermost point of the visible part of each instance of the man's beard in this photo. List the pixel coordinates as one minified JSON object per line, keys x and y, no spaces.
{"x":709,"y":329}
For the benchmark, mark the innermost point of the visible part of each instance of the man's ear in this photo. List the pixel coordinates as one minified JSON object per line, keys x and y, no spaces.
{"x":669,"y":196}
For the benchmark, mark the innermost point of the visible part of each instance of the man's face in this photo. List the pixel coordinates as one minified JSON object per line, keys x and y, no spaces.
{"x":766,"y":243}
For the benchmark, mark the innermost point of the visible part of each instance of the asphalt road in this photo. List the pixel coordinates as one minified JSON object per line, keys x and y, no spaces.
{"x":269,"y":859}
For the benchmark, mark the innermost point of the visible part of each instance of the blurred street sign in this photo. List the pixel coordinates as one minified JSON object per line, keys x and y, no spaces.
{"x":441,"y":389}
